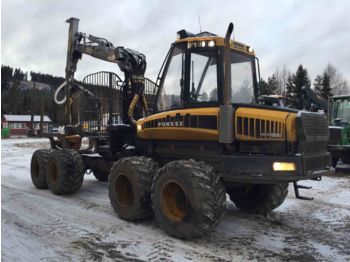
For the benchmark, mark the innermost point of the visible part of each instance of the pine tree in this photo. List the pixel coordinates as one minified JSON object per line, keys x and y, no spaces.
{"x":301,"y":80}
{"x":264,"y":88}
{"x":326,"y":91}
{"x":6,"y":76}
{"x":322,"y":85}
{"x":290,"y":89}
{"x":273,"y":84}
{"x":19,"y":74}
{"x":318,"y":84}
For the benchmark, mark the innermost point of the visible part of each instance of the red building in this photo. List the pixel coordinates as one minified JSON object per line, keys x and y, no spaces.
{"x":19,"y":124}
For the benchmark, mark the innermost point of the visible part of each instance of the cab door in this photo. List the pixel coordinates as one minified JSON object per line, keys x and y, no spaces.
{"x":188,"y":98}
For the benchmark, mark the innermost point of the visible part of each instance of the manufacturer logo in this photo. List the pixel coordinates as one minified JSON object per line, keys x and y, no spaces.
{"x":171,"y":124}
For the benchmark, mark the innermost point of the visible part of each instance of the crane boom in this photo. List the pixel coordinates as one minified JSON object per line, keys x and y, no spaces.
{"x":131,"y":63}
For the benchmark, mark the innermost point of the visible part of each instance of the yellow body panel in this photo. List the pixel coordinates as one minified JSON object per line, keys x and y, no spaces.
{"x":174,"y":133}
{"x":250,"y":124}
{"x":164,"y":126}
{"x":254,"y":124}
{"x":292,"y":127}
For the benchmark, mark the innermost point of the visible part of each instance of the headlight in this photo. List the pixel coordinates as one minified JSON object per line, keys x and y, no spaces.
{"x":139,"y":127}
{"x":283,"y":166}
{"x":203,"y":43}
{"x":250,"y":49}
{"x":211,"y":43}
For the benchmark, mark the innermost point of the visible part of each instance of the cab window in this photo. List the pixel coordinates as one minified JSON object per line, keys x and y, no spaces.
{"x":190,"y":79}
{"x":241,"y":78}
{"x":203,"y":77}
{"x":173,"y":85}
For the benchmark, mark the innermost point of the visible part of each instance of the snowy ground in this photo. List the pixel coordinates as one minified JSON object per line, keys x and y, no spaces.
{"x":37,"y":225}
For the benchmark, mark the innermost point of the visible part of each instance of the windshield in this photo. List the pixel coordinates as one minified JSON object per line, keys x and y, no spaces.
{"x":241,"y":78}
{"x":341,"y":111}
{"x":203,"y":78}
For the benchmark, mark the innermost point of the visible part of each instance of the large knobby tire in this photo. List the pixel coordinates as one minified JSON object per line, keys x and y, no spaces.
{"x":65,"y":172}
{"x":335,"y":161}
{"x":129,"y":187}
{"x":188,"y":198}
{"x":345,"y":158}
{"x":38,"y":164}
{"x":258,"y":199}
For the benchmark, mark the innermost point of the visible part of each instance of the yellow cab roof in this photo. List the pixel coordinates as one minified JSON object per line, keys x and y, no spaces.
{"x":219,"y":41}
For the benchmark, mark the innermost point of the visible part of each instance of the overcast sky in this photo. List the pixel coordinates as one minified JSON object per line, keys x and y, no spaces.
{"x":289,"y":32}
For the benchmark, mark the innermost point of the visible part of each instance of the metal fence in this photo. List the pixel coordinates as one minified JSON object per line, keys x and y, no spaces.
{"x":103,"y":103}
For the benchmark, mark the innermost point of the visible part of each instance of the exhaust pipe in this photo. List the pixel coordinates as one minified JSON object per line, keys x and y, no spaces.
{"x":227,"y":81}
{"x":226,"y":110}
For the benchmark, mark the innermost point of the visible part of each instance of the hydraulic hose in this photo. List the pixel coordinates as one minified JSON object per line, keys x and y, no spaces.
{"x":131,"y":109}
{"x":144,"y":102}
{"x":138,"y":81}
{"x":60,"y":102}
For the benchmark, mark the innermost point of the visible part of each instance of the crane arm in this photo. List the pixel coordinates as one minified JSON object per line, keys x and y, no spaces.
{"x":312,"y":99}
{"x":128,"y":60}
{"x":131,"y":63}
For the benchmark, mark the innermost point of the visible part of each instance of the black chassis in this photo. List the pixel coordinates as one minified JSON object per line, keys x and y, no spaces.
{"x":259,"y":168}
{"x":234,"y":167}
{"x":338,"y":150}
{"x":239,"y":167}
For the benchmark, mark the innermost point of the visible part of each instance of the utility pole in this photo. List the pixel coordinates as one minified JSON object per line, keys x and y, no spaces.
{"x":42,"y":116}
{"x":31,"y":132}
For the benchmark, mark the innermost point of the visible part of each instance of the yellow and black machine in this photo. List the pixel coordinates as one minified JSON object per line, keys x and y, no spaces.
{"x":175,"y":147}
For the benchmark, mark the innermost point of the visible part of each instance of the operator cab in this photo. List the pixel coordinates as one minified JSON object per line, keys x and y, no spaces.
{"x":272,"y":100}
{"x":193,"y":73}
{"x":340,"y":111}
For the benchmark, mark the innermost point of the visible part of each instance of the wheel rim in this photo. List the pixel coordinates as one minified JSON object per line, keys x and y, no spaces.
{"x":124,"y":191}
{"x":35,"y":167}
{"x":53,"y":171}
{"x":174,"y":201}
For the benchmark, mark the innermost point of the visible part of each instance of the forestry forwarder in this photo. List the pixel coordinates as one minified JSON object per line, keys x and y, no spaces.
{"x":204,"y":136}
{"x":339,"y":128}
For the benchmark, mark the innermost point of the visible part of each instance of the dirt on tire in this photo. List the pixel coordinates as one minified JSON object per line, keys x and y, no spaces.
{"x":65,"y":172}
{"x":129,"y":187}
{"x":38,"y":164}
{"x":188,"y":198}
{"x":258,"y":198}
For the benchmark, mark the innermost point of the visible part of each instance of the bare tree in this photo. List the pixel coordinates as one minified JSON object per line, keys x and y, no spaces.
{"x":338,"y":85}
{"x":282,"y":79}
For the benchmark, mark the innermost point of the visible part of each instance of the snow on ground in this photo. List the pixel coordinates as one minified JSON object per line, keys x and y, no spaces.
{"x":37,"y":225}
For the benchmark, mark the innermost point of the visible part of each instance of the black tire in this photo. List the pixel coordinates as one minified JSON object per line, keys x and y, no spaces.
{"x":100,"y":175}
{"x":38,"y":164}
{"x":65,"y":172}
{"x":258,"y":199}
{"x":129,"y":187}
{"x":345,"y":158}
{"x":188,"y":198}
{"x":335,"y":161}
